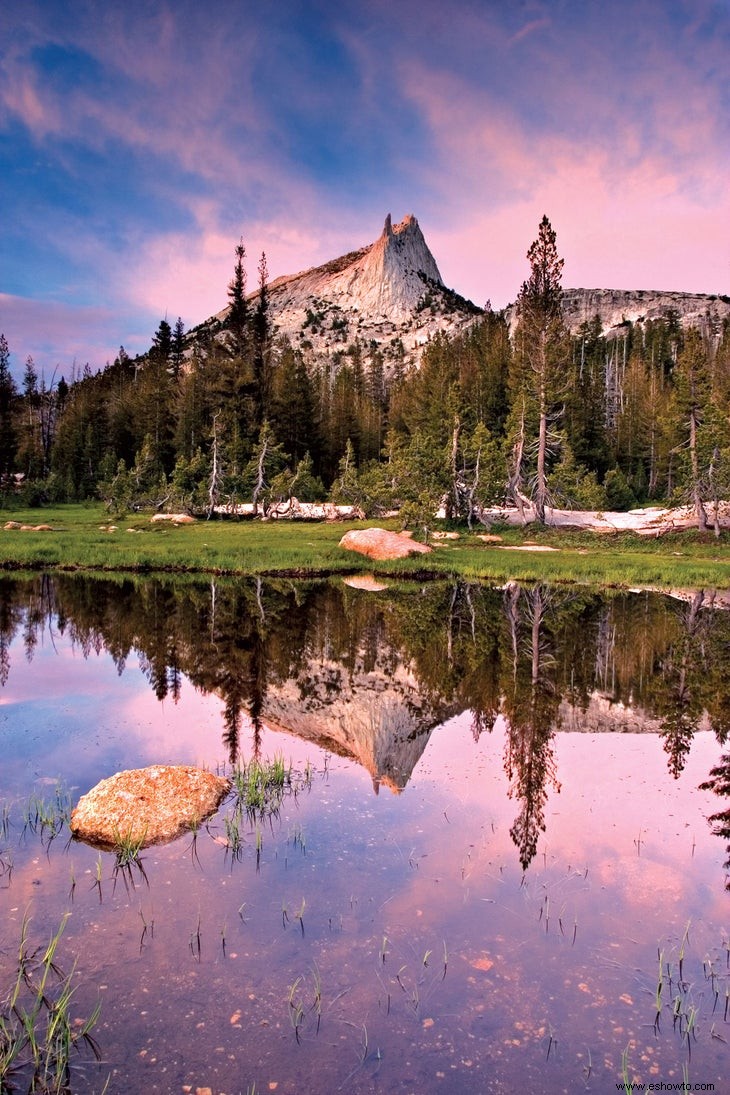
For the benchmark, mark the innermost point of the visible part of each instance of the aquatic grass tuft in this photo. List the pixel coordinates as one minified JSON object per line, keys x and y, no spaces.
{"x":233,"y":840}
{"x":6,"y":867}
{"x":38,"y":1033}
{"x":47,"y":817}
{"x":627,"y":1082}
{"x":98,"y":877}
{"x":127,"y":847}
{"x":297,"y":1002}
{"x":258,"y":789}
{"x":259,"y":786}
{"x":196,"y":941}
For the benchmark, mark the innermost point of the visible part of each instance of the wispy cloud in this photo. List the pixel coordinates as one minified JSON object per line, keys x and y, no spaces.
{"x":529,"y":28}
{"x":62,"y":338}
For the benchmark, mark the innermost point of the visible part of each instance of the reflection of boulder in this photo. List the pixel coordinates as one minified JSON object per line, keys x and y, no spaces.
{"x":381,"y":718}
{"x":151,"y":805}
{"x":366,"y":582}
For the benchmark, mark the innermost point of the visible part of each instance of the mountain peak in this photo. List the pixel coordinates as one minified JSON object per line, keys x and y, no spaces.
{"x":386,"y":292}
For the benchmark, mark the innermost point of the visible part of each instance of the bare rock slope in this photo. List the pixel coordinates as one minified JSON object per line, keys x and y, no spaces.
{"x":616,"y":308}
{"x":389,"y":292}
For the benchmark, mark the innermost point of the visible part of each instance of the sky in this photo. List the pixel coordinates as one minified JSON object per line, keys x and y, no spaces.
{"x":141,"y":140}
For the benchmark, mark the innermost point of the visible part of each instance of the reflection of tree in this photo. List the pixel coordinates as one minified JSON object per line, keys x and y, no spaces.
{"x":10,"y":616}
{"x":677,"y":686}
{"x":719,"y":782}
{"x":531,"y":709}
{"x":713,"y":671}
{"x":451,"y":635}
{"x":442,"y":648}
{"x":232,"y":655}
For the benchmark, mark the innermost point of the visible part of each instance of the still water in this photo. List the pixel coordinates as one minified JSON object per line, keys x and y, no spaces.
{"x":501,"y":864}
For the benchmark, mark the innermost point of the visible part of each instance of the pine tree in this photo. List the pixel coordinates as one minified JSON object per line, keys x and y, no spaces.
{"x":261,"y":349}
{"x":292,"y":406}
{"x":156,"y":398}
{"x":162,"y":342}
{"x":8,"y":396}
{"x":238,"y":314}
{"x":542,"y":348}
{"x":30,"y":452}
{"x":178,"y":347}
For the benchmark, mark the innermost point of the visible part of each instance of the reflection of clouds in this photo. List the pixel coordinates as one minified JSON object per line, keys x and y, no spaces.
{"x":87,"y":721}
{"x":643,"y":837}
{"x":84,"y":721}
{"x":431,"y":868}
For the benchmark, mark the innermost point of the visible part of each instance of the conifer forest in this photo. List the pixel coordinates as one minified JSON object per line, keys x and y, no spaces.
{"x":229,"y":413}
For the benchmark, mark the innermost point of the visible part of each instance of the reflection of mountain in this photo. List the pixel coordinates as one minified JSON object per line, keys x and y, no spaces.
{"x":375,"y":715}
{"x":603,"y":715}
{"x":369,"y":677}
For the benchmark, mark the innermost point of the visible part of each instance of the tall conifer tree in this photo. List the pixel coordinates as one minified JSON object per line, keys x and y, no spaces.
{"x":8,"y":394}
{"x":542,"y":347}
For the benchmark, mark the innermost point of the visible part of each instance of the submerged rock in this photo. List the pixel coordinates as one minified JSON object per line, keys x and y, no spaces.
{"x":152,"y":805}
{"x":377,"y":543}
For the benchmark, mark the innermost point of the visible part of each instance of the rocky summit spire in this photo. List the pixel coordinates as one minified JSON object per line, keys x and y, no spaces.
{"x":393,"y":274}
{"x":390,"y":291}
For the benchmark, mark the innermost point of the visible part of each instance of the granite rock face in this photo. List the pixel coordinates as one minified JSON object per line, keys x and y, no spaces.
{"x":389,"y":292}
{"x":617,"y":307}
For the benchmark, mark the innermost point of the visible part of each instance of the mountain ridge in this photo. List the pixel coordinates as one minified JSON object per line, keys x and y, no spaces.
{"x":390,"y":294}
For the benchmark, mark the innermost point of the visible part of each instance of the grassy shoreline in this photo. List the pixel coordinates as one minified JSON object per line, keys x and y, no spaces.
{"x":80,"y":541}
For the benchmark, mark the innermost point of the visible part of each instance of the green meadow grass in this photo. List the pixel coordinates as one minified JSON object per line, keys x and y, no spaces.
{"x":79,"y":541}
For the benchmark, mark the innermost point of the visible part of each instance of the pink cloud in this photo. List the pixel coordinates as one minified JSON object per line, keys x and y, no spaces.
{"x":626,"y":217}
{"x":61,"y":337}
{"x":529,"y":28}
{"x":188,"y":272}
{"x":21,"y":97}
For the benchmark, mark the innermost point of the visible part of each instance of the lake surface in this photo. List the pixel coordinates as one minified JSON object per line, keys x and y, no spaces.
{"x":501,"y":864}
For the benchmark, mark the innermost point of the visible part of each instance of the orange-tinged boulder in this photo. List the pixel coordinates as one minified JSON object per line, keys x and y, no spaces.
{"x":377,"y":543}
{"x":152,"y":805}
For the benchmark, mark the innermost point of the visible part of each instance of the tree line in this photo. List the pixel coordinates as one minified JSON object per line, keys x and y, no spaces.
{"x":228,"y":413}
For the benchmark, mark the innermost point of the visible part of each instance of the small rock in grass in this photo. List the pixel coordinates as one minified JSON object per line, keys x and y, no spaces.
{"x":377,"y":543}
